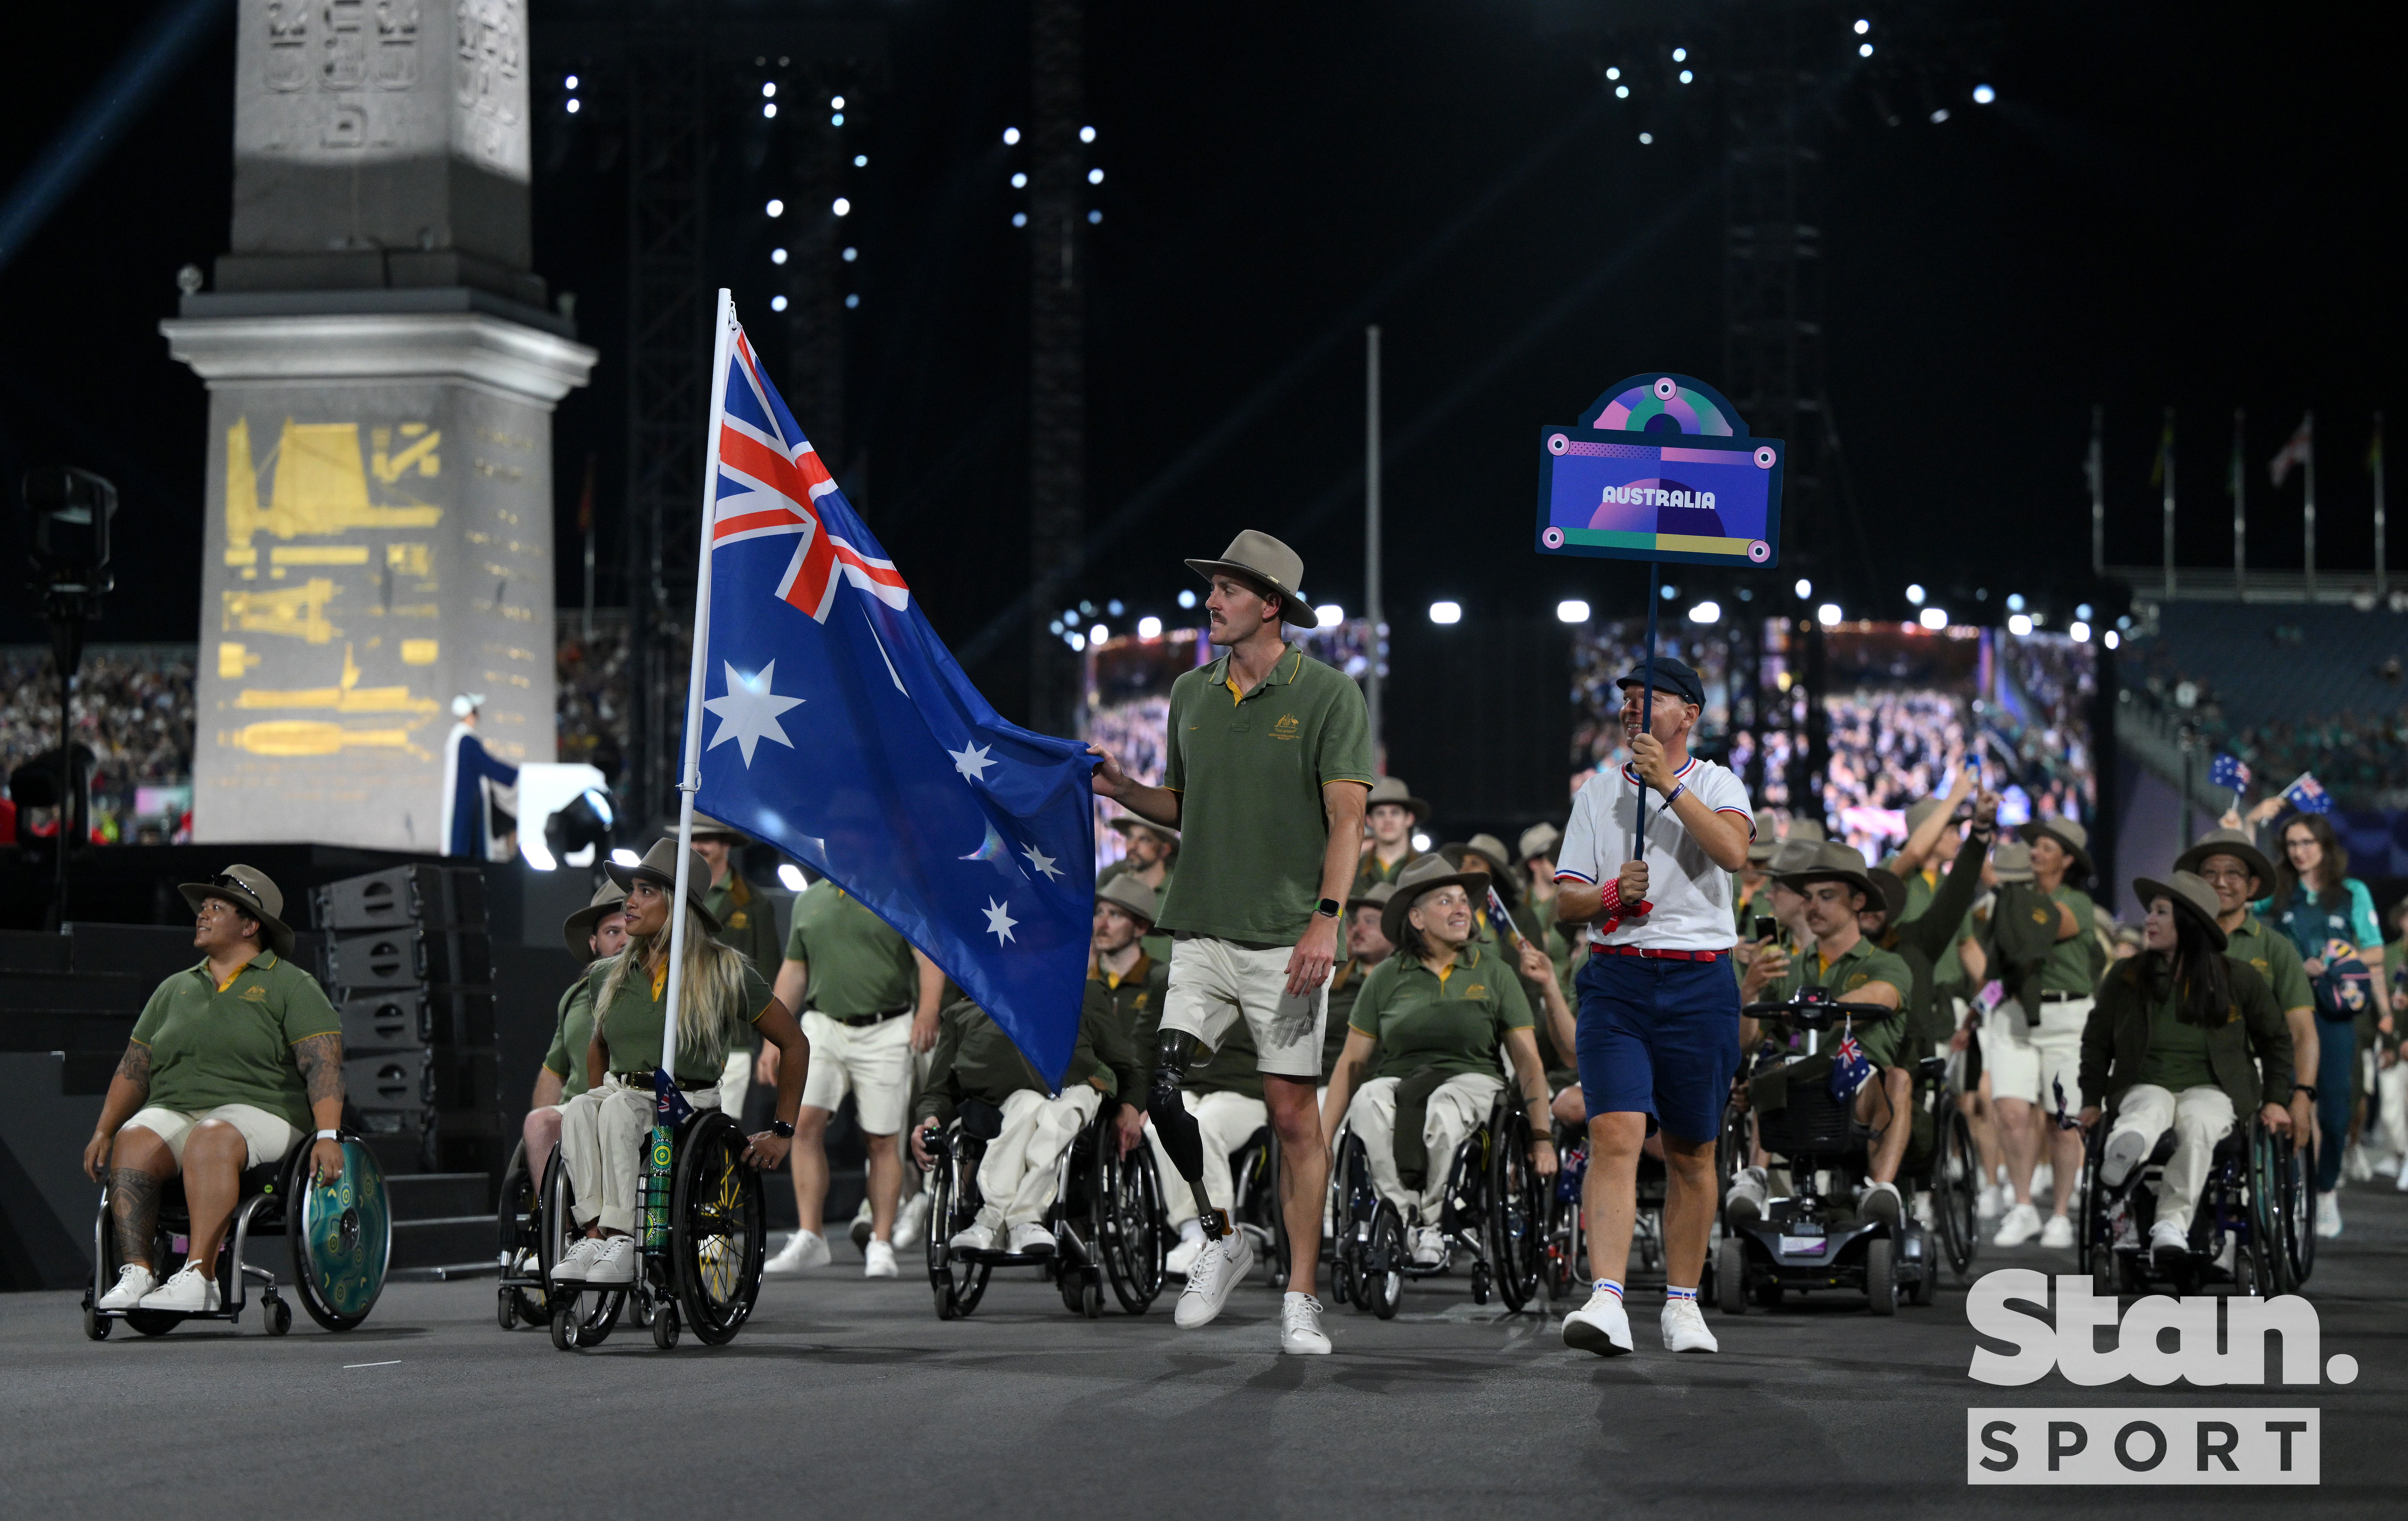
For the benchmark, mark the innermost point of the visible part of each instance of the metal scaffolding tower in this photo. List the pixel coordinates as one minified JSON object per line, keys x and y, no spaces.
{"x":1057,"y":369}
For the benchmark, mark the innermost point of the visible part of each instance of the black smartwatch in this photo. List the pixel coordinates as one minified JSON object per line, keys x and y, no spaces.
{"x":2308,"y":1088}
{"x":1328,"y":907}
{"x":779,"y":1127}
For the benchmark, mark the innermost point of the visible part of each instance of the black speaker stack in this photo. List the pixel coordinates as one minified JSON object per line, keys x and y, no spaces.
{"x":409,"y":963}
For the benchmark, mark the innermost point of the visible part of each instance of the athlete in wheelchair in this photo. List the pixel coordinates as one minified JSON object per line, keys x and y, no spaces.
{"x":1831,"y":1093}
{"x":645,"y":1148}
{"x":224,"y":1121}
{"x":1024,"y":1177}
{"x":2194,"y":1059}
{"x":593,"y":933}
{"x":1436,"y":1156}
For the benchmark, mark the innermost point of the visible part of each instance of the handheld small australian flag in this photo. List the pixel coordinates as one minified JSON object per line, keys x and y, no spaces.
{"x":2228,"y":770}
{"x":1850,"y":1067}
{"x":840,"y":729}
{"x":2308,"y":795}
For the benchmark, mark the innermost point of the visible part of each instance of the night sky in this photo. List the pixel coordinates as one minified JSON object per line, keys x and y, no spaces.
{"x":2168,"y":205}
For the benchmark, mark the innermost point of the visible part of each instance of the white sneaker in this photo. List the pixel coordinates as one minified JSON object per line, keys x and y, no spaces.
{"x":2020,"y":1225}
{"x":1032,"y":1239}
{"x":2043,"y":1179}
{"x":2358,"y":1164}
{"x":804,"y":1249}
{"x":2058,"y":1233}
{"x":1182,"y":1259}
{"x":133,"y":1281}
{"x":1878,"y":1201}
{"x":910,"y":1220}
{"x":1430,"y":1246}
{"x":2169,"y":1245}
{"x":1684,"y":1327}
{"x":190,"y":1291}
{"x":1991,"y":1203}
{"x":1601,"y":1326}
{"x":2123,"y":1151}
{"x":575,"y":1262}
{"x":861,"y":1227}
{"x":614,"y":1265}
{"x":1920,"y":1207}
{"x":1300,"y":1332}
{"x":2327,"y":1216}
{"x":878,"y":1262}
{"x":1745,"y":1203}
{"x":974,"y":1237}
{"x":1220,"y":1267}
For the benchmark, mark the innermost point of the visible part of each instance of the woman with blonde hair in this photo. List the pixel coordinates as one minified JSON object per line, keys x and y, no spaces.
{"x":602,"y":1129}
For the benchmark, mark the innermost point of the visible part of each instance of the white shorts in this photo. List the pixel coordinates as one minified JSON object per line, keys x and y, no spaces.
{"x":268,"y":1135}
{"x":873,"y":1062}
{"x":1216,"y":983}
{"x":2030,"y":1062}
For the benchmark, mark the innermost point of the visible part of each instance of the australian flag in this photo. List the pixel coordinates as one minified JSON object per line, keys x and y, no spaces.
{"x":2308,"y":795}
{"x":2228,"y":770}
{"x":839,"y":728}
{"x":1850,"y":1067}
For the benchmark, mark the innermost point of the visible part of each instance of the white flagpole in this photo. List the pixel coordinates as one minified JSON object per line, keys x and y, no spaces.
{"x":690,"y":774}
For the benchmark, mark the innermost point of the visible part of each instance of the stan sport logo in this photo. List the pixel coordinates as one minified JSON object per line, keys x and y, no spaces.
{"x":2201,"y":1339}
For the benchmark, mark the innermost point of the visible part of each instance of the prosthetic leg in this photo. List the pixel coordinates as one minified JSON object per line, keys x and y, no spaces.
{"x":1173,"y":1052}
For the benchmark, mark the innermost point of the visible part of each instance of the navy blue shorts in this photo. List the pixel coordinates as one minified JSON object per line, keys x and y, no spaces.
{"x":1660,"y":1038}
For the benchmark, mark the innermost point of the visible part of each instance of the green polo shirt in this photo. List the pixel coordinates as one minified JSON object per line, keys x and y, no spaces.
{"x":2176,"y":1057}
{"x":858,"y":965}
{"x":1864,"y":962}
{"x":632,"y":1022}
{"x":572,"y":1032}
{"x":2076,"y":964}
{"x":1454,"y":1024}
{"x":1249,"y":771}
{"x":212,"y":1045}
{"x":748,"y":921}
{"x":2276,"y":959}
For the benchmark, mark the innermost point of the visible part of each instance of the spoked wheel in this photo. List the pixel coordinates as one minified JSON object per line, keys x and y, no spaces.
{"x":718,"y":1233}
{"x":1567,"y":1226}
{"x":1517,"y":1214}
{"x":1731,"y":1147}
{"x":341,"y":1235}
{"x":2298,"y":1212}
{"x":588,"y":1316}
{"x":1384,"y":1262}
{"x":1955,"y":1193}
{"x":2271,"y":1252}
{"x":518,"y":1220}
{"x":2089,"y":1207}
{"x":957,"y":1282}
{"x":1130,"y":1224}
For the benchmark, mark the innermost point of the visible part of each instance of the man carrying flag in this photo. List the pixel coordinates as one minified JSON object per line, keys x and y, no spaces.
{"x":827,"y":718}
{"x":1270,"y":761}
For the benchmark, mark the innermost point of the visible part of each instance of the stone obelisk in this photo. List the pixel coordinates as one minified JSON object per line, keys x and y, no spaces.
{"x":381,"y":366}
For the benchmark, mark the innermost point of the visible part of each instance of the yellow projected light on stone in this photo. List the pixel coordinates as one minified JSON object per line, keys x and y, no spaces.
{"x":301,"y":737}
{"x":348,"y":697}
{"x":294,"y":611}
{"x":320,"y":483}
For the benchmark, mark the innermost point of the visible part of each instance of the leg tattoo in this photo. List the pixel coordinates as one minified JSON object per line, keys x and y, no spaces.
{"x":134,"y":1213}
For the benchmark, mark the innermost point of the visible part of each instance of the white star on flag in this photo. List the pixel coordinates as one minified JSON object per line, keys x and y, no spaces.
{"x":748,"y":714}
{"x":971,"y":761}
{"x":999,"y":920}
{"x":1041,"y":861}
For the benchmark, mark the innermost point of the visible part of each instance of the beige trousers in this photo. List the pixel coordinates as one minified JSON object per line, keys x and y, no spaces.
{"x":602,"y":1133}
{"x":2198,"y":1118}
{"x":1455,"y":1109}
{"x":1016,"y":1178}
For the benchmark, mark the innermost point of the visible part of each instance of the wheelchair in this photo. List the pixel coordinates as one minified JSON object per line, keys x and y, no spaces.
{"x":1495,"y":1208}
{"x":1812,"y":1239}
{"x":702,"y":1234}
{"x":1106,"y":1218}
{"x":524,"y":1297}
{"x":2241,"y":1229}
{"x":340,"y":1237}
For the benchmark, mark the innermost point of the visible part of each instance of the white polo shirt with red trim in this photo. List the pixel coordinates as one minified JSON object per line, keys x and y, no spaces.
{"x":1692,"y":896}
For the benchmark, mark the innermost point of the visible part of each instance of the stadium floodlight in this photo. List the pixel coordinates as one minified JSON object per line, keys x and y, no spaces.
{"x":777,"y":303}
{"x":572,"y":104}
{"x":2018,"y":624}
{"x":2079,"y":630}
{"x":1984,"y":94}
{"x":1864,"y":49}
{"x":777,"y":255}
{"x":1914,"y":594}
{"x":1863,"y":27}
{"x":1934,"y":618}
{"x":1011,"y":136}
{"x":776,"y":208}
{"x":769,"y":89}
{"x":1446,"y":613}
{"x":1020,"y":182}
{"x":768,"y":110}
{"x":841,"y":208}
{"x":1086,"y":135}
{"x":1187,"y":597}
{"x":624,"y":857}
{"x":1149,"y":627}
{"x":1421,"y":842}
{"x":1805,"y":588}
{"x":1708,"y":612}
{"x":790,"y":877}
{"x":1828,"y":615}
{"x":835,"y":103}
{"x":2014,"y":601}
{"x":2111,"y":639}
{"x":1330,"y":614}
{"x":1098,"y":634}
{"x":1571,"y":609}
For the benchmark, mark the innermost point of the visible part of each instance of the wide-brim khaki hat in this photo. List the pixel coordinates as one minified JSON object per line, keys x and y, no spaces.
{"x":1376,"y":897}
{"x":707,"y":827}
{"x":1256,"y":556}
{"x":659,"y":868}
{"x":2011,"y":861}
{"x":577,"y":928}
{"x":2190,"y":894}
{"x":1538,"y":840}
{"x":256,"y":892}
{"x":1804,"y":830}
{"x":1792,"y":855}
{"x":1128,"y":893}
{"x":1834,"y":862}
{"x":2237,"y":844}
{"x":2066,"y":832}
{"x":1767,"y":839}
{"x":1889,"y":895}
{"x":1392,"y":789}
{"x":1427,"y":875}
{"x":1129,"y":823}
{"x":1484,"y":853}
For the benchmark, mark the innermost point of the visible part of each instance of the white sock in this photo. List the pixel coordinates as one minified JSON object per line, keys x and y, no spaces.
{"x":1191,"y":1230}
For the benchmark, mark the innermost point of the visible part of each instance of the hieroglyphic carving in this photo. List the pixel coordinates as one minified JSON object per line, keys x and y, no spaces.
{"x":397,"y":59}
{"x":288,"y":44}
{"x":492,"y":47}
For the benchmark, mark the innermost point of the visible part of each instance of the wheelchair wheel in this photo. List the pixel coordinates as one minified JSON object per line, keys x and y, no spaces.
{"x":341,"y":1236}
{"x":2269,"y":1250}
{"x":1730,"y":1278}
{"x":1517,"y":1212}
{"x":958,"y":1284}
{"x":1130,"y":1225}
{"x":153,"y":1322}
{"x":1955,"y":1193}
{"x":2089,"y":1207}
{"x":518,"y":1219}
{"x":579,"y":1318}
{"x":718,"y":1232}
{"x":1881,"y":1276}
{"x":1384,"y":1262}
{"x":2299,"y":1212}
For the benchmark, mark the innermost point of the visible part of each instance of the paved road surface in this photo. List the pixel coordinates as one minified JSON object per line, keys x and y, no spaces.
{"x":850,"y":1399}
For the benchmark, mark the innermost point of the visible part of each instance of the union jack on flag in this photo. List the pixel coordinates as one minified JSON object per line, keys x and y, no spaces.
{"x":1849,"y":1065}
{"x":2308,"y":795}
{"x":2228,"y":770}
{"x":771,"y":482}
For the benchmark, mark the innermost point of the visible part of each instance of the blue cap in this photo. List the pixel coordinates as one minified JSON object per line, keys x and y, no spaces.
{"x":1670,"y":676}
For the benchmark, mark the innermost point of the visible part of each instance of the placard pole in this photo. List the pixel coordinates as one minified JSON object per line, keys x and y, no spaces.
{"x":1647,"y":692}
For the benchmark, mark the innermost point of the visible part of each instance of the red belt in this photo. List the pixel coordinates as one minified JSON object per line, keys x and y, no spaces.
{"x":1652,"y":953}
